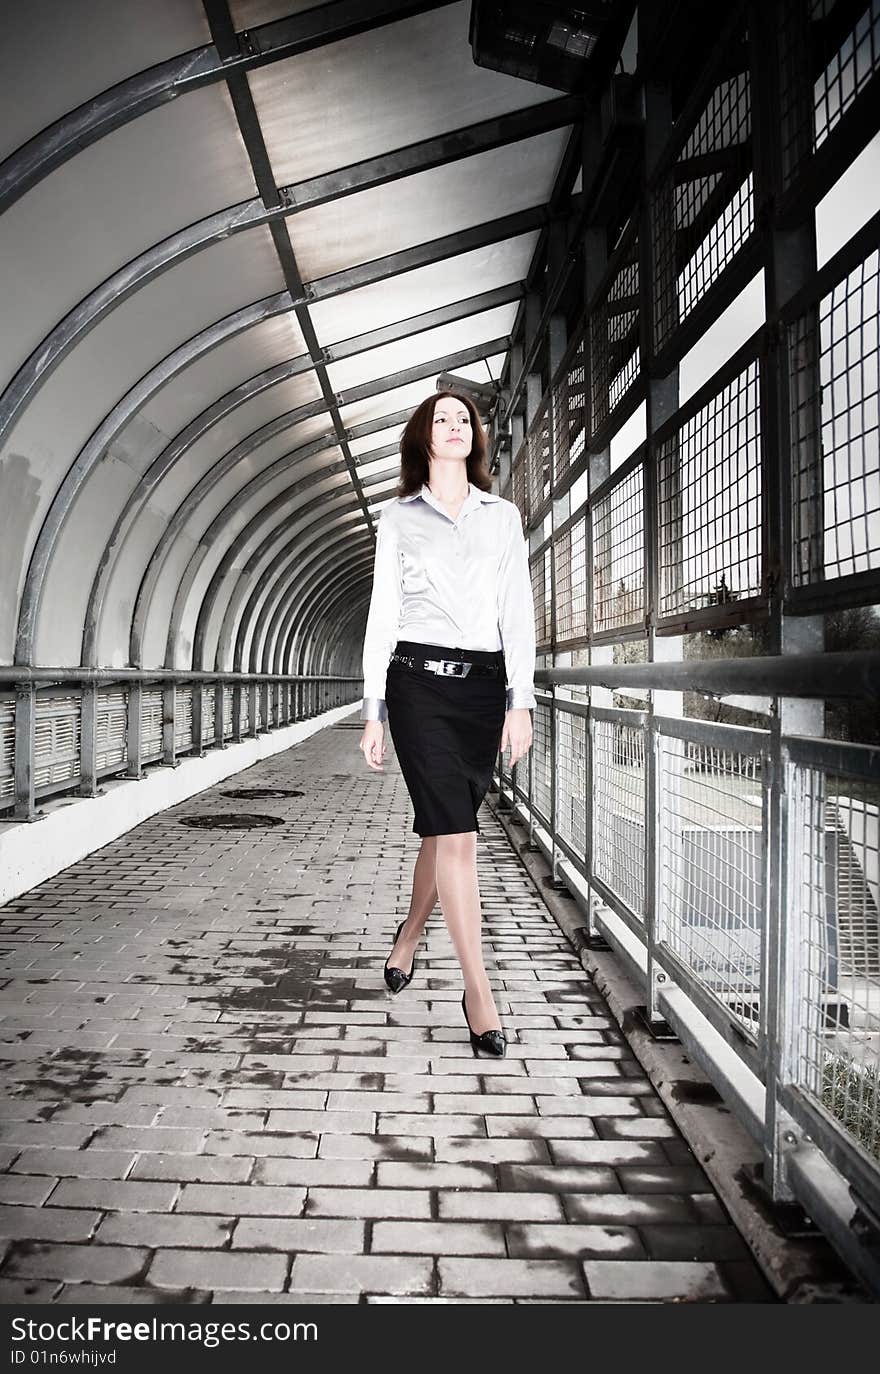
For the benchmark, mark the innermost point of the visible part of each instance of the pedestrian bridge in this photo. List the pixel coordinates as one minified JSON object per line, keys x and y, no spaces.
{"x":241,"y":239}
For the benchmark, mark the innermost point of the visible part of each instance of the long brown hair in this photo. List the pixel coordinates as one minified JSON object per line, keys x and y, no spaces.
{"x":415,"y":446}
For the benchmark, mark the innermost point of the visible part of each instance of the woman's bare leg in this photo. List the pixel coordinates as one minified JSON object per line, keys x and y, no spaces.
{"x":459,"y":892}
{"x":421,"y":904}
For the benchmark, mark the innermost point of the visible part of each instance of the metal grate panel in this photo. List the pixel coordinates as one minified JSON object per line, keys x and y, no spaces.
{"x":835,"y":451}
{"x":110,"y":730}
{"x":703,"y":211}
{"x":541,"y":594}
{"x":614,"y":340}
{"x":848,"y":73}
{"x":209,"y":714}
{"x":542,"y":762}
{"x":569,"y":413}
{"x":619,"y":810}
{"x":710,"y":502}
{"x":518,"y":476}
{"x":570,"y":552}
{"x":835,"y":979}
{"x":7,"y":748}
{"x":183,"y":718}
{"x":538,"y":457}
{"x":151,"y":724}
{"x":710,"y":863}
{"x":57,"y":739}
{"x":618,"y":529}
{"x":571,"y":779}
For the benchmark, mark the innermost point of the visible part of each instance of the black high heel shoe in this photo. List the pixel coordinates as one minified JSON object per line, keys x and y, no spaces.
{"x":395,"y":978}
{"x":493,"y":1042}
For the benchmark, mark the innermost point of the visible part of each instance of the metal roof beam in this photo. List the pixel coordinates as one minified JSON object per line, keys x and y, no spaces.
{"x":147,"y":90}
{"x":224,"y":37}
{"x":52,"y":349}
{"x":431,"y":153}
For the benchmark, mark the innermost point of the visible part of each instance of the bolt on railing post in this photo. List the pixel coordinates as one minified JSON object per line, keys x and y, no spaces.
{"x":88,"y":743}
{"x":134,"y":749}
{"x":25,"y":748}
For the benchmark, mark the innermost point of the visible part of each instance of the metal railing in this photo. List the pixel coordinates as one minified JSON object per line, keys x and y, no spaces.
{"x":67,"y":729}
{"x":737,"y":874}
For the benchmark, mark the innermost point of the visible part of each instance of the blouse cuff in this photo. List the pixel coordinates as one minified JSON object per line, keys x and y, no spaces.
{"x":374,"y":708}
{"x":520,"y":698}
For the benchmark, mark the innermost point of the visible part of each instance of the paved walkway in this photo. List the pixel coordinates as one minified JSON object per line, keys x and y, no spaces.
{"x":209,"y":1095}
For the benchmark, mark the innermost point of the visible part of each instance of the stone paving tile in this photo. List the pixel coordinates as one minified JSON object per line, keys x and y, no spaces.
{"x":226,"y":1105}
{"x":156,"y":1230}
{"x":323,"y":1236}
{"x":539,"y":1241}
{"x":98,"y":1263}
{"x":122,"y":1197}
{"x":439,"y":1238}
{"x":18,"y":1188}
{"x":655,"y":1279}
{"x":218,"y":1270}
{"x":361,"y":1273}
{"x":510,"y":1277}
{"x":91,"y":1295}
{"x":194,"y":1168}
{"x":45,"y":1223}
{"x":67,"y":1163}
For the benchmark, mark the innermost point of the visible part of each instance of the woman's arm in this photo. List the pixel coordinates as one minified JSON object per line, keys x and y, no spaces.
{"x":516,"y":617}
{"x":383,"y":619}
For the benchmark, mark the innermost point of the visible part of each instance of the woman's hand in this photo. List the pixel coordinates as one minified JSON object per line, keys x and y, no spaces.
{"x":517,"y":734}
{"x":372,"y":742}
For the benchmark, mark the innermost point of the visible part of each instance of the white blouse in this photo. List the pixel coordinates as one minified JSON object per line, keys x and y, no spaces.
{"x":463,"y":583}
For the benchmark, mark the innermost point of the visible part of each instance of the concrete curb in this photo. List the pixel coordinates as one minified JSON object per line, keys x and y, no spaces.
{"x":802,"y":1269}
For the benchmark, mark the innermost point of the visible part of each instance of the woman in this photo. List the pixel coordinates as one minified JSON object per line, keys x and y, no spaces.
{"x":449,"y":658}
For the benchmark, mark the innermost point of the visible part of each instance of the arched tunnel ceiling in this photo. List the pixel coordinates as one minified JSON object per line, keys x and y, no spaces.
{"x":241,"y":239}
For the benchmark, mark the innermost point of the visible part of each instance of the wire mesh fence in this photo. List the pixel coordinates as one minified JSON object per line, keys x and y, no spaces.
{"x":710,"y":493}
{"x":614,"y":337}
{"x":572,"y":742}
{"x":710,"y":867}
{"x":569,"y":407}
{"x":571,"y":611}
{"x":618,"y":535}
{"x":703,"y":205}
{"x":751,"y":882}
{"x":835,"y":987}
{"x":834,"y":363}
{"x":618,"y":806}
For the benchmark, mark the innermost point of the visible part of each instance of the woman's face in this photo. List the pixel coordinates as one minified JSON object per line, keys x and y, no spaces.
{"x":451,"y":431}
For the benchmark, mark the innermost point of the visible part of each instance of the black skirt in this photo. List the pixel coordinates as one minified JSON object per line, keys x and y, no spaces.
{"x":446,"y":733}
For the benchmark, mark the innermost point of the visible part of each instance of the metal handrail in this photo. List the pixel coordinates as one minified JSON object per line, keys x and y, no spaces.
{"x":24,"y":674}
{"x":855,"y":674}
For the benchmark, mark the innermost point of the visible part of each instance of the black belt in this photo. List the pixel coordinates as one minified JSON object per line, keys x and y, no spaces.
{"x":447,"y":667}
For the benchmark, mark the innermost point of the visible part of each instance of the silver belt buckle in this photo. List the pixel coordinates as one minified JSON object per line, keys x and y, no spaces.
{"x":448,"y":667}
